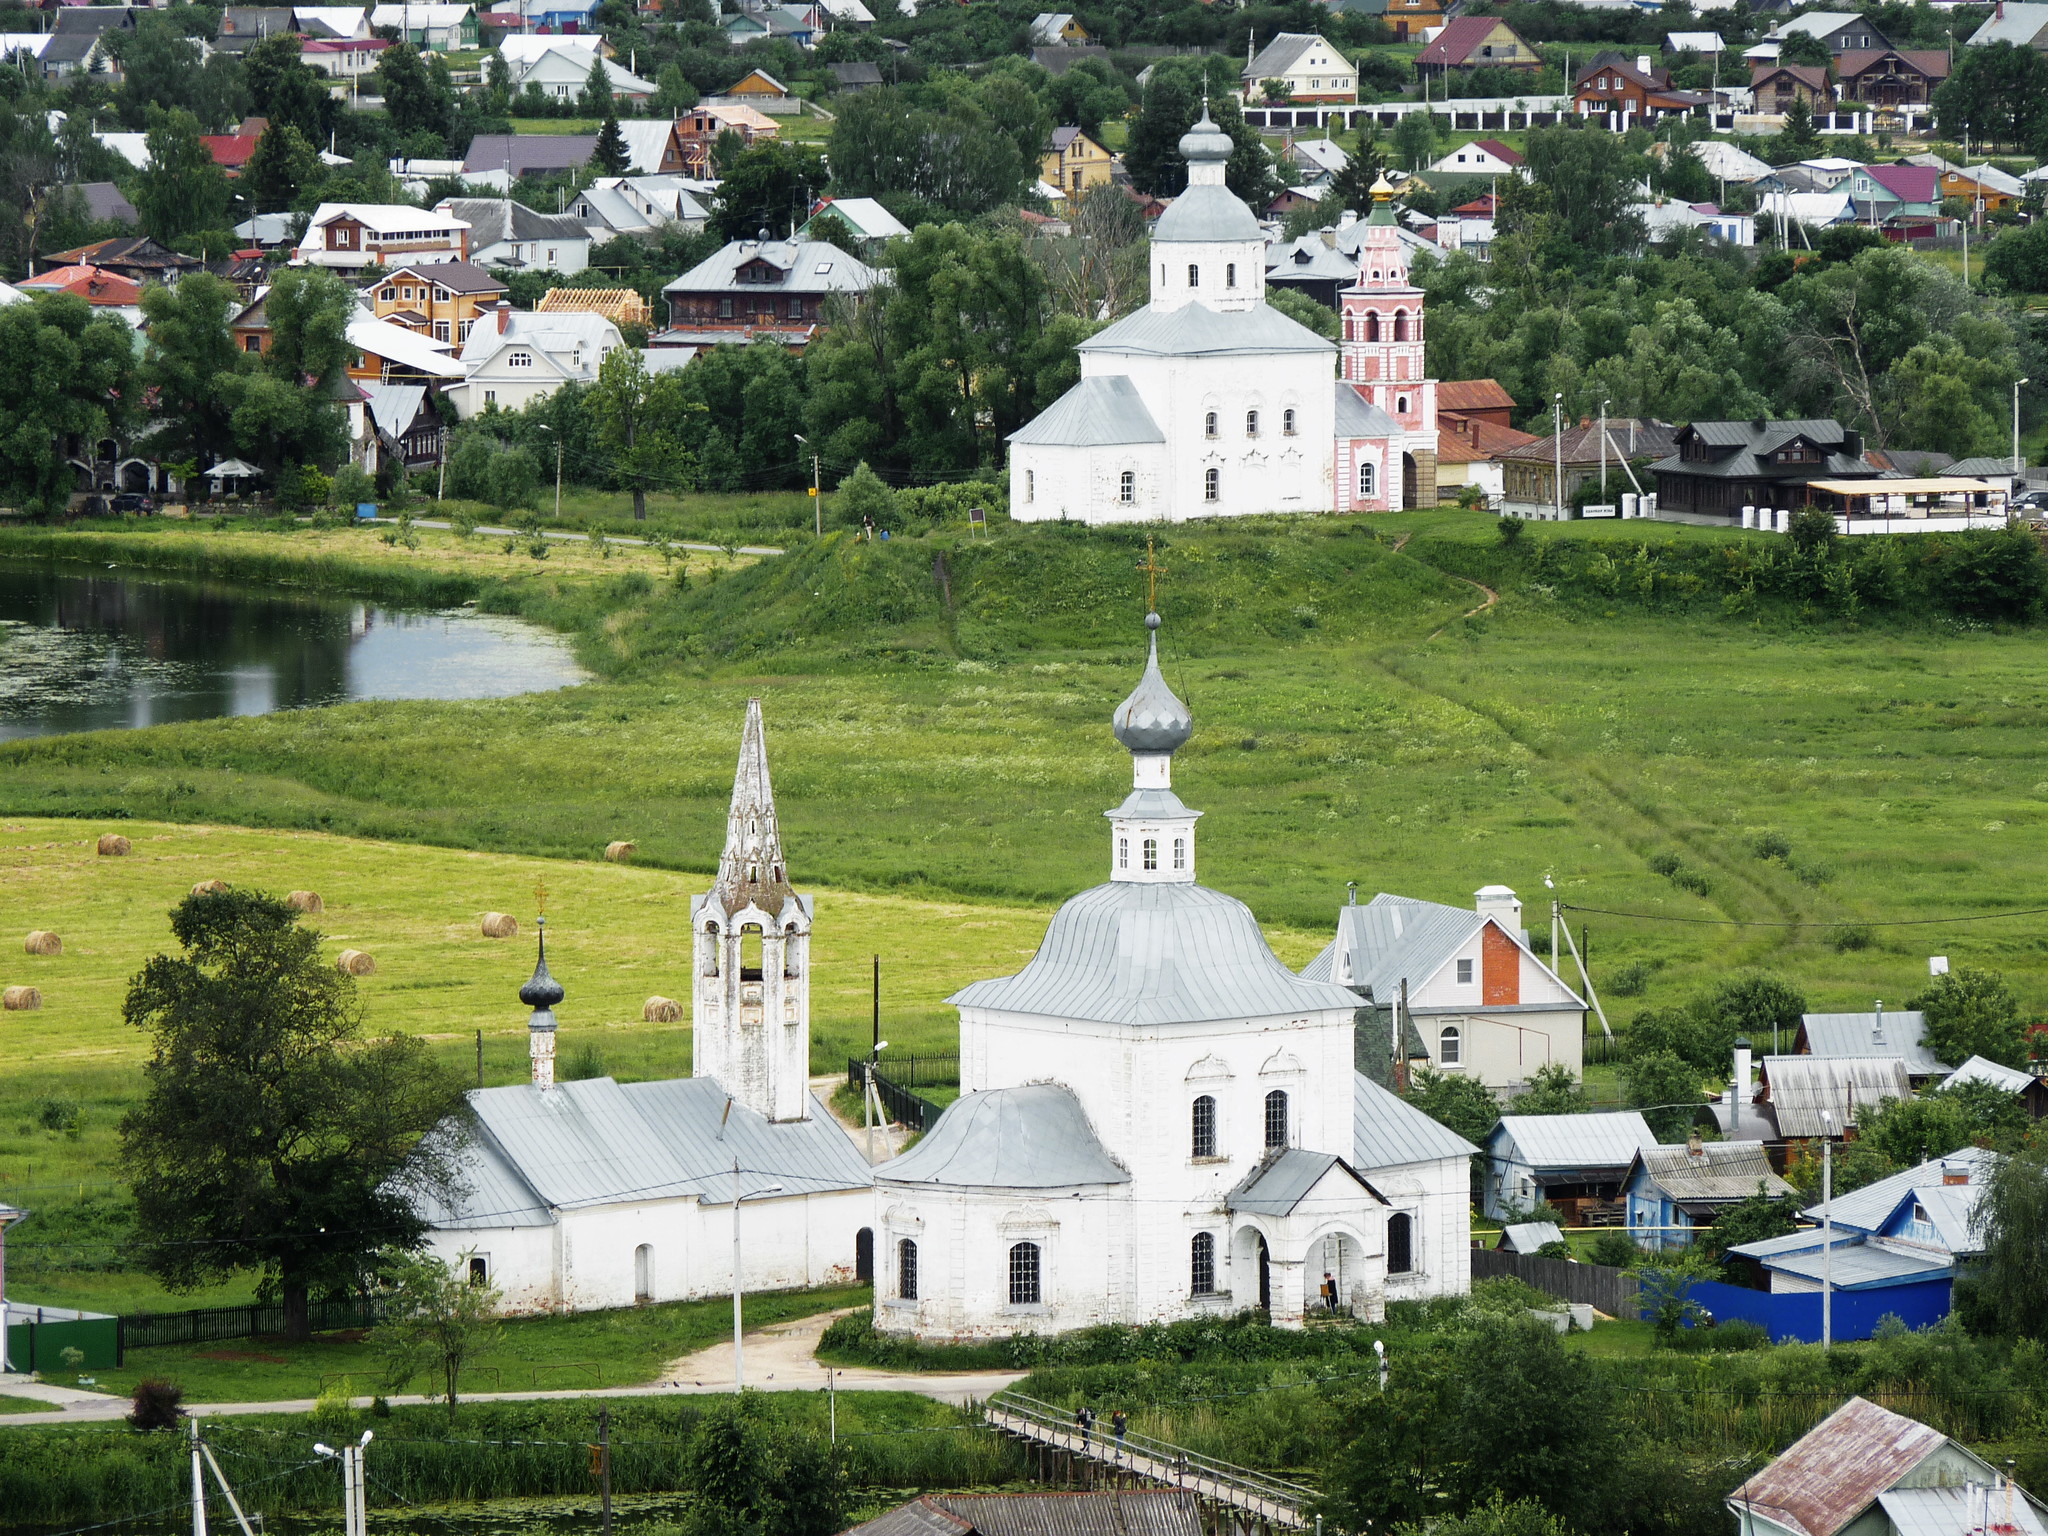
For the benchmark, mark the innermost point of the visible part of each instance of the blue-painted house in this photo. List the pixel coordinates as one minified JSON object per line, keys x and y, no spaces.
{"x":1672,"y":1192}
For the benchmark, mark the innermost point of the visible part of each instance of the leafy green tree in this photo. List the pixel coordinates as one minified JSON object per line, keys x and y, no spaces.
{"x":1305,"y":311}
{"x":415,"y":100}
{"x":283,"y":90}
{"x":1667,"y":1090}
{"x":1971,"y":1012}
{"x":673,"y":93}
{"x":1415,"y":140}
{"x":435,"y":1319}
{"x":595,"y":99}
{"x":180,"y":190}
{"x":162,"y":66}
{"x":1995,"y":92}
{"x":280,"y":169}
{"x":1352,"y":187}
{"x":1665,"y":1283}
{"x":1613,"y":1248}
{"x":1749,"y":1220}
{"x":2008,"y":1287}
{"x":863,"y":498}
{"x":1456,"y":1100}
{"x":640,"y":426}
{"x":1388,"y":1469}
{"x":1086,"y":95}
{"x":1577,"y":203}
{"x":2017,"y":261}
{"x":64,"y":372}
{"x":512,"y":479}
{"x":610,"y":157}
{"x":768,"y":186}
{"x":957,"y":162}
{"x":1497,"y":1517}
{"x":1908,"y":1132}
{"x":1805,"y":48}
{"x":750,"y":1480}
{"x":271,"y":1135}
{"x":190,"y":362}
{"x":1799,"y":136}
{"x":1554,"y":1089}
{"x":498,"y":84}
{"x":1756,"y":1004}
{"x":1173,"y":102}
{"x":1532,"y":1420}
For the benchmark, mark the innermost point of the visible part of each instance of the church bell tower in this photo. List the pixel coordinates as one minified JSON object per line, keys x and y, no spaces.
{"x":751,"y":1002}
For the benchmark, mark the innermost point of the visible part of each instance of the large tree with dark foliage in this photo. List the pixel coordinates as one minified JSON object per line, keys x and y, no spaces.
{"x":272,"y":1136}
{"x":64,"y":371}
{"x":1173,"y":102}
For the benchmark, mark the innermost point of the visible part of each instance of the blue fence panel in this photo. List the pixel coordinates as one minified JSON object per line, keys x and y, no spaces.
{"x":1795,"y":1315}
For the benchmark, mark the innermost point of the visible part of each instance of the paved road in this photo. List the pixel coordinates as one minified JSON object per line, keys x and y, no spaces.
{"x":778,"y":1359}
{"x":574,"y":538}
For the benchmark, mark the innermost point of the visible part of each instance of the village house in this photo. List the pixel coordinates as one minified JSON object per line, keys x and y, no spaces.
{"x":1882,"y":1032}
{"x":139,"y":258}
{"x":1573,"y":1162}
{"x":788,"y":23}
{"x":1717,"y":468}
{"x":870,"y":224}
{"x":772,"y":288}
{"x":1808,"y":1098}
{"x":350,"y":236}
{"x":1891,"y":77}
{"x":1776,"y":87}
{"x":850,"y":79}
{"x":1075,"y":164}
{"x":516,"y":356}
{"x":758,"y":89}
{"x":1309,"y":67}
{"x":1480,"y":1000}
{"x":508,"y":234}
{"x":2031,"y":1091}
{"x":1529,"y":481}
{"x":698,"y":131}
{"x":433,"y":28}
{"x":1640,"y":89}
{"x":1481,"y":157}
{"x":408,"y":420}
{"x":1895,"y":195}
{"x":385,"y":353}
{"x":639,"y":205}
{"x":438,"y":299}
{"x":1839,"y":32}
{"x":1476,"y":42}
{"x":2024,"y":25}
{"x":1882,"y":1474}
{"x":108,"y":292}
{"x":1412,"y":19}
{"x":519,"y":51}
{"x":1469,"y":452}
{"x":1058,"y":29}
{"x":564,"y":75}
{"x":1673,"y":1192}
{"x":343,"y":58}
{"x":1982,"y":188}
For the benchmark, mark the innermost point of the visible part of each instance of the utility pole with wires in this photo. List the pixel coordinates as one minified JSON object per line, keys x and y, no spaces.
{"x":817,"y":484}
{"x":601,"y":1458}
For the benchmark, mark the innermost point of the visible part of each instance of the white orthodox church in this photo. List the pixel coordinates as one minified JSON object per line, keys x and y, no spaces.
{"x":596,"y":1193}
{"x":1208,"y":402}
{"x":1158,"y":1120}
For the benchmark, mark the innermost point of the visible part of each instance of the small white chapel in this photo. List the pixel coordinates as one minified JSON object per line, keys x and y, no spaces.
{"x":1208,"y":402}
{"x":1158,"y":1120}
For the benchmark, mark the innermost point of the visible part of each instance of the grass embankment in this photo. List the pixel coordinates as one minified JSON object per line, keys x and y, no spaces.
{"x":892,"y":1444}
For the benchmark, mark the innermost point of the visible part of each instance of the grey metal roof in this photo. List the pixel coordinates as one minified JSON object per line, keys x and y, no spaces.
{"x":1195,"y":330}
{"x":1309,"y":258}
{"x":393,"y":406}
{"x":803,"y":1156}
{"x":1206,"y":214}
{"x":1359,"y":417}
{"x":493,"y":220}
{"x":1948,"y":1512}
{"x":1867,"y":1208}
{"x":1953,"y":1210}
{"x":1134,"y":1512}
{"x":1282,"y":1182}
{"x":1096,"y":412}
{"x":2011,"y":23}
{"x":491,"y":1193}
{"x":1134,"y":953}
{"x":1856,"y":1264}
{"x":1152,"y":719}
{"x":1805,"y":1240}
{"x":1801,"y":1088}
{"x":808,"y":266}
{"x":1711,"y":1172}
{"x":1390,"y":937}
{"x":1389,"y":1132}
{"x":1604,"y":1140}
{"x":1528,"y":1236}
{"x":920,"y":1517}
{"x":1901,"y":1033}
{"x":1980,"y":1069}
{"x":521,"y":153}
{"x":1033,"y":1137}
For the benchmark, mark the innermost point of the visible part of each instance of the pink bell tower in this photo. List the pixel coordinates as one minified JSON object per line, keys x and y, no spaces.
{"x":1382,"y":313}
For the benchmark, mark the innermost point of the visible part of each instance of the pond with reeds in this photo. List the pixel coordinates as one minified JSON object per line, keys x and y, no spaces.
{"x":90,"y":648}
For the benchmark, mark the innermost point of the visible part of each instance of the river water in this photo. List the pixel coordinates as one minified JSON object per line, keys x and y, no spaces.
{"x":85,"y":648}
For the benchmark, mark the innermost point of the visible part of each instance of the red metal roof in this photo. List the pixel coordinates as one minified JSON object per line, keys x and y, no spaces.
{"x":1500,"y":151}
{"x":1836,"y":1470}
{"x":95,"y":285}
{"x":1908,"y":183}
{"x":1473,"y":395}
{"x":230,"y":151}
{"x":1455,"y":43}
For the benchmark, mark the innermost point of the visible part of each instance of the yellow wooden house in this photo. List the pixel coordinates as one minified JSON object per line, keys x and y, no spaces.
{"x":1075,"y":164}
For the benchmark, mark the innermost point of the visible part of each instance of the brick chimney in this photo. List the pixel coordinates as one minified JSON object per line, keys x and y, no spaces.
{"x":1955,"y":1172}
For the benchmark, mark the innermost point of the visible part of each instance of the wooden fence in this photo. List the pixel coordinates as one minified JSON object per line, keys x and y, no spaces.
{"x":1612,"y":1291}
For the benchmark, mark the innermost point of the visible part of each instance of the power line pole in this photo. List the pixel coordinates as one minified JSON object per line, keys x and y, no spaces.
{"x":604,"y":1464}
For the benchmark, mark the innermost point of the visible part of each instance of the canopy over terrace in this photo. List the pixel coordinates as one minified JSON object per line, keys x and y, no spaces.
{"x":1942,"y":503}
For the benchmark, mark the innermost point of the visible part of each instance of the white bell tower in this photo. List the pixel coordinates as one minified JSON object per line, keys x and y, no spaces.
{"x":751,"y":998}
{"x":1152,"y":835}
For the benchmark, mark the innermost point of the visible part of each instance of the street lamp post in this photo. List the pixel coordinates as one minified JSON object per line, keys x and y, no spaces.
{"x":817,"y":499}
{"x":1557,"y":444}
{"x":739,"y":1365}
{"x":551,"y":432}
{"x":1827,"y":1217}
{"x":2017,"y":467}
{"x":1603,"y":448}
{"x":867,"y":1095}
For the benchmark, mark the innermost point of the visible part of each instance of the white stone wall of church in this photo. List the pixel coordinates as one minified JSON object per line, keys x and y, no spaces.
{"x":1214,"y":264}
{"x":589,"y":1263}
{"x":1050,"y":483}
{"x":1438,"y":1194}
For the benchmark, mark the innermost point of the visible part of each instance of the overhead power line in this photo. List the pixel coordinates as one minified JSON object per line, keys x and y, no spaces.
{"x":1760,"y":922}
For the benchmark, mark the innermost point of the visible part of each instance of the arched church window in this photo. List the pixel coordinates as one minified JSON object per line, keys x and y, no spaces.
{"x":1276,"y":1118}
{"x":1212,"y":485}
{"x":1202,"y":1264}
{"x":1230,"y":275}
{"x":1400,"y":1243}
{"x":1401,"y":404}
{"x":1202,"y":1128}
{"x":1151,"y":852}
{"x":1123,"y":853}
{"x":1251,"y":423}
{"x":1024,"y":1275}
{"x":1400,"y":325}
{"x":750,"y":953}
{"x":906,"y":1270}
{"x":1209,"y":424}
{"x":1127,"y":487}
{"x":1368,"y":477}
{"x":1194,"y":275}
{"x":1287,"y":422}
{"x":1450,"y":1046}
{"x":711,"y":949}
{"x":1372,"y":327}
{"x":1180,"y":853}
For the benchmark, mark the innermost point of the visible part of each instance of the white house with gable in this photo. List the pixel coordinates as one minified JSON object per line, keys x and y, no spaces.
{"x":1159,"y":1120}
{"x":592,"y":1194}
{"x":513,"y":356}
{"x":1482,"y":1002}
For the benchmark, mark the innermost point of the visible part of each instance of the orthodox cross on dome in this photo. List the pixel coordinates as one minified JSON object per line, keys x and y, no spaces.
{"x":1153,"y":571}
{"x":751,"y":871}
{"x":540,"y":899}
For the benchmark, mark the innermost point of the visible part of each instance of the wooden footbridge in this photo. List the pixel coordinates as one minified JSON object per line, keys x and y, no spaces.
{"x":1252,"y":1501}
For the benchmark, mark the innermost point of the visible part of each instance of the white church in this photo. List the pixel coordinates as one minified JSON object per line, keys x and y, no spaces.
{"x":1208,"y":402}
{"x":579,"y":1195}
{"x":1159,"y":1120}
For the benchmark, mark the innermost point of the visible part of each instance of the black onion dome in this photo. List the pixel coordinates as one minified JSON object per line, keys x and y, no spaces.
{"x":1152,"y":719}
{"x":542,"y":991}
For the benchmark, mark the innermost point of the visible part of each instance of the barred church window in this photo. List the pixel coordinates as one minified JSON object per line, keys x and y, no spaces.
{"x":1209,"y":424}
{"x":1024,"y":1291}
{"x":1030,"y":485}
{"x":906,"y":1270}
{"x":1194,"y":276}
{"x":1230,"y":275}
{"x":1287,"y":422}
{"x":1151,"y":852}
{"x":1251,"y":423}
{"x":1180,"y":853}
{"x":1202,"y":1125}
{"x":1276,"y":1118}
{"x":1400,"y":1243}
{"x":1202,"y":1264}
{"x":1127,"y":487}
{"x":1212,"y":485}
{"x":1123,"y":853}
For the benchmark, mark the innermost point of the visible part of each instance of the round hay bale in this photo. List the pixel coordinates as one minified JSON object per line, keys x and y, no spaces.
{"x":500,"y":925}
{"x":112,"y":845}
{"x":209,"y":888}
{"x":305,"y":901}
{"x":619,"y":853}
{"x":42,"y":942}
{"x":661,"y":1010}
{"x":356,"y":962}
{"x":21,"y":999}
